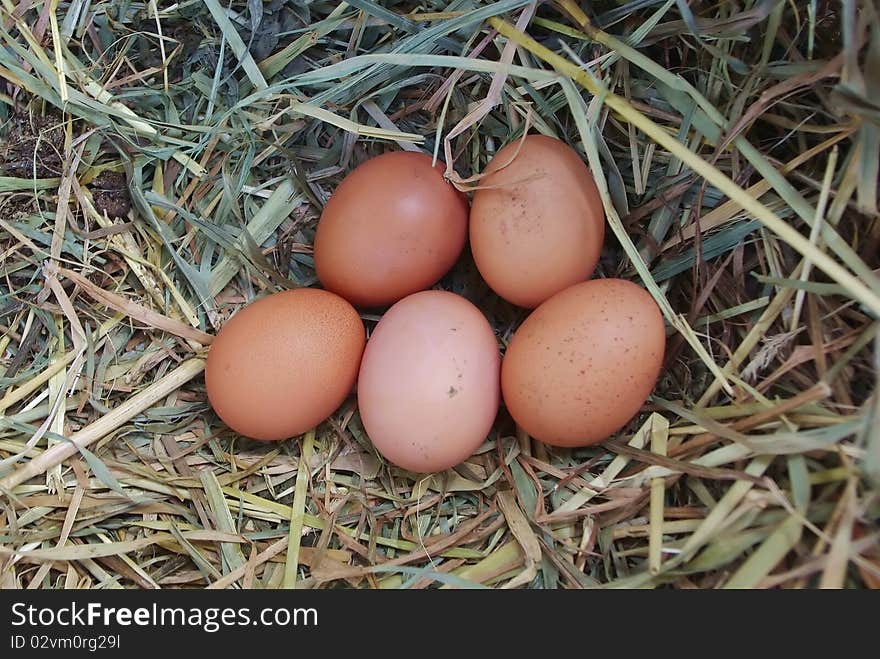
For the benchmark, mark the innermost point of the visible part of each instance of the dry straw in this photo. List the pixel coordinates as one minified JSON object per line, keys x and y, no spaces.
{"x":162,"y":166}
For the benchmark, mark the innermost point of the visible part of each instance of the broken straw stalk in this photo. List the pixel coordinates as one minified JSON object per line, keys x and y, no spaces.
{"x":105,"y":425}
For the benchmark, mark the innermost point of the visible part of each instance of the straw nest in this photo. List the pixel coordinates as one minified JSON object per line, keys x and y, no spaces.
{"x":163,"y":164}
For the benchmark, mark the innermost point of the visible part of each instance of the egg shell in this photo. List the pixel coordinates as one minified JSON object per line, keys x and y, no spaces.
{"x":394,"y":226}
{"x":429,"y":383}
{"x":284,"y":363}
{"x":583,"y":363}
{"x":537,"y":222}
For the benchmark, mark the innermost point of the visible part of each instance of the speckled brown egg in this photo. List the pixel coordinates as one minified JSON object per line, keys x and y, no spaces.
{"x":584,"y":362}
{"x":284,"y":363}
{"x":537,"y":224}
{"x":429,"y":389}
{"x":394,"y":226}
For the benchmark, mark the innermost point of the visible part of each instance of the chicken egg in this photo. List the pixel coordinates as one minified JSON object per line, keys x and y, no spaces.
{"x":428,"y":388}
{"x":583,"y":363}
{"x":394,"y":226}
{"x":536,"y":223}
{"x":284,"y":363}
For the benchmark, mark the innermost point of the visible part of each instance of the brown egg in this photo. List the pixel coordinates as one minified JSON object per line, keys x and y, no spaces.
{"x":394,"y":226}
{"x":284,"y":363}
{"x":583,"y":363}
{"x":428,"y":389}
{"x":538,"y":224}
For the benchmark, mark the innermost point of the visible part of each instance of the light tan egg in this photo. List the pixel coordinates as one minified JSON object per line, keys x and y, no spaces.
{"x":537,"y":223}
{"x":428,"y":389}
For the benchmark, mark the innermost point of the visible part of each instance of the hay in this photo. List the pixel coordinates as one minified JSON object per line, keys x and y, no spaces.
{"x":163,"y":166}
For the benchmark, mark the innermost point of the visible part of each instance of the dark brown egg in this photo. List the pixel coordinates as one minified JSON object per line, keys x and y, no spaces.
{"x":394,"y":226}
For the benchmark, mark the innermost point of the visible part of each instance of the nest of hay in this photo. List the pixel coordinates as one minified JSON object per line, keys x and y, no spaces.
{"x":161,"y":167}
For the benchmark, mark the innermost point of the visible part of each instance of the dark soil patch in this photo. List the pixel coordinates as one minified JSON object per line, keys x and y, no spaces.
{"x":33,"y":145}
{"x":110,"y":192}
